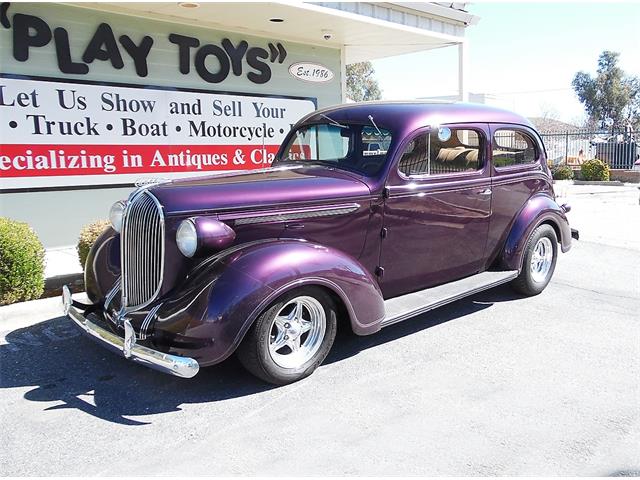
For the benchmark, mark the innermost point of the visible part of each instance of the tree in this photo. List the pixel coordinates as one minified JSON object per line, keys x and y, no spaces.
{"x":361,"y":83}
{"x":611,"y":98}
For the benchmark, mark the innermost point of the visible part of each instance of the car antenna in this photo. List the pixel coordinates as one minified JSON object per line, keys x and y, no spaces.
{"x":333,"y":121}
{"x":374,"y":124}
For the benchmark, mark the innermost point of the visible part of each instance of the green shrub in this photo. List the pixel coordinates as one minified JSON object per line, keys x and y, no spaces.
{"x":21,"y":263}
{"x":88,"y":236}
{"x":562,"y":172}
{"x":595,"y":170}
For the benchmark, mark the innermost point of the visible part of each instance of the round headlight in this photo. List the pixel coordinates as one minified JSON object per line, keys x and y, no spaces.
{"x":115,"y":215}
{"x":187,"y":238}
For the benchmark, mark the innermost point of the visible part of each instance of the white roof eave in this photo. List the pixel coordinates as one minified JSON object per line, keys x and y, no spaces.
{"x":362,"y":37}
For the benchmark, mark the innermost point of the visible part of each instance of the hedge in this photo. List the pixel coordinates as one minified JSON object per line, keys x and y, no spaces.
{"x":594,"y":170}
{"x":562,"y":172}
{"x":21,"y":262}
{"x":88,"y":236}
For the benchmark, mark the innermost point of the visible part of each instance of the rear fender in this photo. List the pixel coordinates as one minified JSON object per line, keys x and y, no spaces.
{"x":539,"y":209}
{"x":224,"y":295}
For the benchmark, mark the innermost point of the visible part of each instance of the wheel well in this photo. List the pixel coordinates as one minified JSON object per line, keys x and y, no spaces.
{"x":500,"y":262}
{"x":342,"y":313}
{"x":555,"y":228}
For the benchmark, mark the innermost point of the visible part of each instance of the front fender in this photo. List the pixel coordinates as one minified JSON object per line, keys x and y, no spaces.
{"x":221,"y":299}
{"x":102,"y":268}
{"x":539,"y":209}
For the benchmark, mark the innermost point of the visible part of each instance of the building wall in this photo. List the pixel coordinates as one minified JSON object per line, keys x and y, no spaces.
{"x":54,"y":206}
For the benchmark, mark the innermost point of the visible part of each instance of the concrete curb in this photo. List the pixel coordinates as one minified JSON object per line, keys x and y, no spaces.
{"x":53,"y":285}
{"x":24,"y":314}
{"x":611,"y":183}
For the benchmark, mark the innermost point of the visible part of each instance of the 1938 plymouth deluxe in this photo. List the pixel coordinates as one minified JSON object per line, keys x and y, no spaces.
{"x":371,"y":214}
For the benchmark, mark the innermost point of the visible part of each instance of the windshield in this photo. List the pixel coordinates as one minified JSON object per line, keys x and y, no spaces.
{"x":358,"y":148}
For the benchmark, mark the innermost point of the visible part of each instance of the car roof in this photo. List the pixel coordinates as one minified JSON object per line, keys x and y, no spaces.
{"x":416,"y":114}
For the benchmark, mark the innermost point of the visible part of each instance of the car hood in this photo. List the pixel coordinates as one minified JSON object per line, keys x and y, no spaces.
{"x":258,"y":189}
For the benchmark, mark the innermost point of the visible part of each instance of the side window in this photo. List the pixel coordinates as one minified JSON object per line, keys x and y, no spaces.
{"x":442,"y":151}
{"x":320,"y":142}
{"x":511,"y":147}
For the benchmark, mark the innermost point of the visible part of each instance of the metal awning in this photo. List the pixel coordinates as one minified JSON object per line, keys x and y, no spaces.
{"x":364,"y":31}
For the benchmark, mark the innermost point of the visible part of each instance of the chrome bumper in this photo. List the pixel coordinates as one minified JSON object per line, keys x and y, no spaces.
{"x":179,"y":366}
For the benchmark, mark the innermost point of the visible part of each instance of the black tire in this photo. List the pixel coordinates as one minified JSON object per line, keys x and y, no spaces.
{"x":526,"y":283}
{"x":254,"y":352}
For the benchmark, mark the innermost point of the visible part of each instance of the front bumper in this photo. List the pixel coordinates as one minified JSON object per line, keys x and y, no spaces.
{"x":172,"y":364}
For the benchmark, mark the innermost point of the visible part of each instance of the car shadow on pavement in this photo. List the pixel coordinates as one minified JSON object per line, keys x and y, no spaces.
{"x":347,"y":344}
{"x":70,"y":371}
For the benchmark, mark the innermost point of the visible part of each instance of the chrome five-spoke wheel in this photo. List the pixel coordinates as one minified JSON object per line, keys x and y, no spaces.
{"x":541,"y":259}
{"x":297,"y":332}
{"x":291,"y":337}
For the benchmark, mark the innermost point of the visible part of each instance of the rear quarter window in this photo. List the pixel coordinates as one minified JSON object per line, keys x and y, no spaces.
{"x":513,"y":147}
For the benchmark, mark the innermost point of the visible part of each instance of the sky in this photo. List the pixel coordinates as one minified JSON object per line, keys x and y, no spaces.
{"x":526,"y":54}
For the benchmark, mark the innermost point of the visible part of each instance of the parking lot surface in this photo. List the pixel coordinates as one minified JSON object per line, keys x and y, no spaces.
{"x":495,"y":384}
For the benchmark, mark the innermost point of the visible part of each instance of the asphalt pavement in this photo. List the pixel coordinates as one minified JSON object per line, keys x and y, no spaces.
{"x":495,"y":384}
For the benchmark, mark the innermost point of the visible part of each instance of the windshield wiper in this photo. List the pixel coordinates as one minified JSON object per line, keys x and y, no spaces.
{"x":333,"y":122}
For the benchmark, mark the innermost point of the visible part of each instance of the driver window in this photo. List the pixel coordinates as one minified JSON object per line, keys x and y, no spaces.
{"x":320,"y":142}
{"x":443,"y":151}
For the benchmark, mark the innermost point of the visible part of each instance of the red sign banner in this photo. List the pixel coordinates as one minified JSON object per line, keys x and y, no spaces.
{"x":17,"y":161}
{"x":60,"y":134}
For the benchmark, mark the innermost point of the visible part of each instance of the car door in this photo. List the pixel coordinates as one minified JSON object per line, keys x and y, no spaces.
{"x":518,"y":172}
{"x":437,"y":209}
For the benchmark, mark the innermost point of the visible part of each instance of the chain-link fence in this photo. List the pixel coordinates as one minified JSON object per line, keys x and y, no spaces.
{"x":618,"y":150}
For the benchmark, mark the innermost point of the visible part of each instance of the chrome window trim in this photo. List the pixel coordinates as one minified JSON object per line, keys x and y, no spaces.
{"x":480,"y":172}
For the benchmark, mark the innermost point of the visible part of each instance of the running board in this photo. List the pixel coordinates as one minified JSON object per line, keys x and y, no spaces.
{"x":401,"y":308}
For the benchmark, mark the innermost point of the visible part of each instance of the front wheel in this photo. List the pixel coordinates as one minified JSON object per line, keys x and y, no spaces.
{"x":291,"y":338}
{"x":540,"y":255}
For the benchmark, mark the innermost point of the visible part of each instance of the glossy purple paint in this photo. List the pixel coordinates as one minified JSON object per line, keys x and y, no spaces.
{"x":438,"y":229}
{"x":539,"y":209}
{"x":268,"y":188}
{"x":212,"y":310}
{"x":213,"y":235}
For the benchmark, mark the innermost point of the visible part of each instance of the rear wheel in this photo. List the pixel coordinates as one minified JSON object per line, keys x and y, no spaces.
{"x":540,"y":256}
{"x":291,"y":338}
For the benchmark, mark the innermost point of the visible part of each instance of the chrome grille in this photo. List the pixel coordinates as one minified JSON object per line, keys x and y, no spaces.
{"x":142,"y":247}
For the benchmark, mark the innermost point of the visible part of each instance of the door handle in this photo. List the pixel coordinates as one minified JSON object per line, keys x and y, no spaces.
{"x":294,"y":226}
{"x":486,"y":191}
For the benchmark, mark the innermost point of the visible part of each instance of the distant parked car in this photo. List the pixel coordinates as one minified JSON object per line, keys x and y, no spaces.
{"x":270,"y":263}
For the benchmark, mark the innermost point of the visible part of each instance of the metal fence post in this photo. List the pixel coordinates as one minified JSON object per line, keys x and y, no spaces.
{"x":566,"y":148}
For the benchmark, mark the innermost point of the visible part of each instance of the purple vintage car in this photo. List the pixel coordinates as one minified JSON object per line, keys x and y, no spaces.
{"x":371,"y":214}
